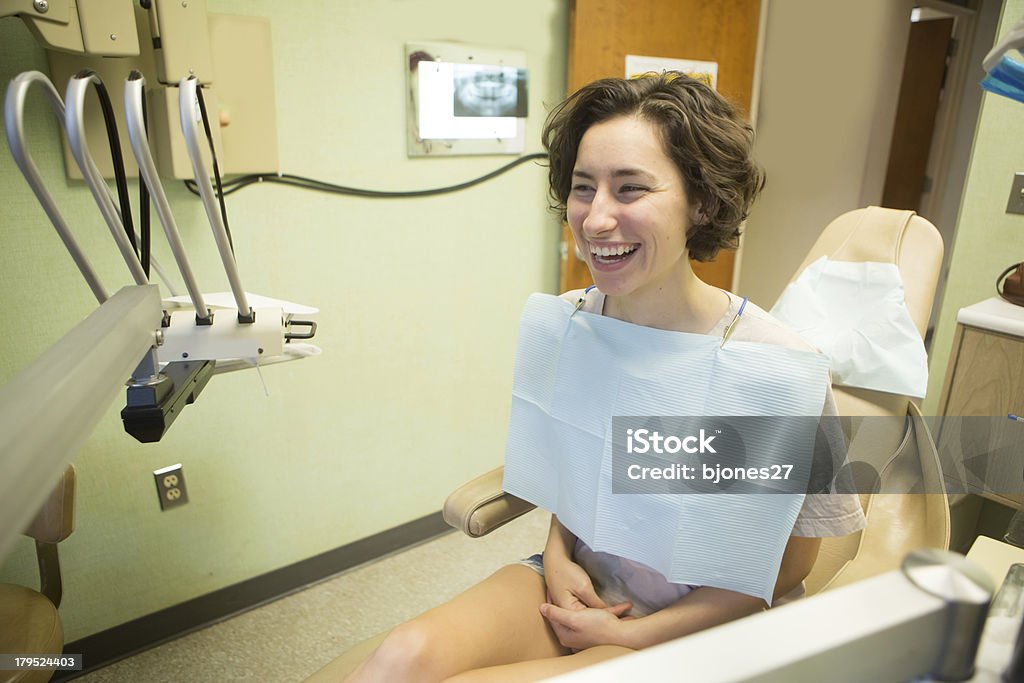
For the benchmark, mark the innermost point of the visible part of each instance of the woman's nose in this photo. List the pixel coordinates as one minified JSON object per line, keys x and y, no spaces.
{"x":601,"y":216}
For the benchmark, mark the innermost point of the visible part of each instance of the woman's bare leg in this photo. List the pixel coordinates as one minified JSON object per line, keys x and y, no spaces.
{"x":495,"y":622}
{"x":539,"y":669}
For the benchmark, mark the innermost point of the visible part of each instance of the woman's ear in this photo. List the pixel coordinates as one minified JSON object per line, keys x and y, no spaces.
{"x":697,"y":215}
{"x":701,"y":212}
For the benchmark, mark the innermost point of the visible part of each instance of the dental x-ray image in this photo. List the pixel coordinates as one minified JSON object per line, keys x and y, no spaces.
{"x":465,"y":99}
{"x":490,"y":91}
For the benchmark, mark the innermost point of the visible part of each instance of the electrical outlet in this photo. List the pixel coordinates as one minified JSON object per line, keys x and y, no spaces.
{"x":170,"y":486}
{"x":1016,"y":202}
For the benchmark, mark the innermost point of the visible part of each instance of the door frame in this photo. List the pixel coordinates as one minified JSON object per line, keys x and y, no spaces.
{"x":938,"y":168}
{"x":755,"y":100}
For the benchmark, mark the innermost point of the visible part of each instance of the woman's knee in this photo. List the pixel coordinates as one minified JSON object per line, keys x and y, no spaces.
{"x":411,"y":647}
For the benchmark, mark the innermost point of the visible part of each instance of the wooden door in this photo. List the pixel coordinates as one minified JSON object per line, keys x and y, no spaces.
{"x":924,"y":74}
{"x":603,"y":32}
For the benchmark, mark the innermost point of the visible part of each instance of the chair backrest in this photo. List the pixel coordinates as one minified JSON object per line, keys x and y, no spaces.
{"x":52,"y":524}
{"x":56,"y":518}
{"x":902,"y":447}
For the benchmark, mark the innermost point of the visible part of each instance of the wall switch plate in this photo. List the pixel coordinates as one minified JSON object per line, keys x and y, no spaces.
{"x":1016,"y":202}
{"x":170,"y":486}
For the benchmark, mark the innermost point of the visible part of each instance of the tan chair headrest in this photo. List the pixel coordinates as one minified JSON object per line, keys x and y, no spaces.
{"x":887,"y":236}
{"x":884,"y":236}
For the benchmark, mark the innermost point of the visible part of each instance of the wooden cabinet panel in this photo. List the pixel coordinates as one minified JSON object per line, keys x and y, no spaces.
{"x":603,"y":32}
{"x":988,"y":377}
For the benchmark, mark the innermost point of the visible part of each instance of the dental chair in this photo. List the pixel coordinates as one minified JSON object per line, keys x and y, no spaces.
{"x":903,"y":452}
{"x":29,"y":623}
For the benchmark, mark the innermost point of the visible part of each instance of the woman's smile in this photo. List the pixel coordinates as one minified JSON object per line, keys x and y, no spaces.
{"x":610,"y":257}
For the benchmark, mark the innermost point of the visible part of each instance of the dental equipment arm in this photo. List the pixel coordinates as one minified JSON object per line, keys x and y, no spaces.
{"x":74,"y":124}
{"x":14,"y":117}
{"x":181,"y":351}
{"x":193,"y":350}
{"x":170,"y":390}
{"x":133,"y":101}
{"x":187,"y":105}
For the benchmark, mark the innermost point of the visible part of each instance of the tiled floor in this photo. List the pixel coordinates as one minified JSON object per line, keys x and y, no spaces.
{"x":295,"y":636}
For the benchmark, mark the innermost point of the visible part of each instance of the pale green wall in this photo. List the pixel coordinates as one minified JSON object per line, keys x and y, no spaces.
{"x":987,"y":238}
{"x":419,"y":302}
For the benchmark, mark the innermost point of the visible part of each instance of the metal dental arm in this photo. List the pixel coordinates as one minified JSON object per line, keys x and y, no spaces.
{"x":133,"y":94}
{"x":171,"y":356}
{"x":187,"y":101}
{"x":14,"y":115}
{"x":74,"y":126}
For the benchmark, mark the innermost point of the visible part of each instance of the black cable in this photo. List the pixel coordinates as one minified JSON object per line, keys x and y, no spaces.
{"x":120,"y":178}
{"x":236,"y":184}
{"x":216,"y":167}
{"x":144,"y":226}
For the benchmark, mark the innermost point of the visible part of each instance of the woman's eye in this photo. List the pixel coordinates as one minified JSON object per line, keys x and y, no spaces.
{"x":633,"y":188}
{"x":582,"y":188}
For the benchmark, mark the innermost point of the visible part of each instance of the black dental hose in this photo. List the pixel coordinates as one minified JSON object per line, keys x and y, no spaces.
{"x":216,"y":166}
{"x":144,"y":196}
{"x":120,"y":177}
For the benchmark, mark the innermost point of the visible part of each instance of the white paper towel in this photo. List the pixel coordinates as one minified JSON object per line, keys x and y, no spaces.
{"x":856,"y":314}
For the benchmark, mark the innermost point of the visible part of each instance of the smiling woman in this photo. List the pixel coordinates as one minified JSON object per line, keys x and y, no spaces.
{"x":700,"y":132}
{"x":649,"y":173}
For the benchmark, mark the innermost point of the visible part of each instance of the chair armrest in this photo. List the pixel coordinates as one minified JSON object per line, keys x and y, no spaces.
{"x":478,"y":507}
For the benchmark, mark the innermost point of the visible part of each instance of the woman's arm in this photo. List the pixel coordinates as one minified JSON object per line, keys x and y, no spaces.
{"x":569,"y":586}
{"x":560,"y":542}
{"x":705,"y":607}
{"x":699,"y":609}
{"x":797,"y":562}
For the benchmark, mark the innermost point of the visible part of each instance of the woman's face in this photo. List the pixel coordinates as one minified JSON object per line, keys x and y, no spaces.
{"x":628,"y":208}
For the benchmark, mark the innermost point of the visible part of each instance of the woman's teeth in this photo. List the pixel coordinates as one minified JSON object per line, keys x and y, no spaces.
{"x":612,"y":254}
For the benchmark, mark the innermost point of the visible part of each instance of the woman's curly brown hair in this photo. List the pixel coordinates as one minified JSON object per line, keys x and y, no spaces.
{"x":702,"y":133}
